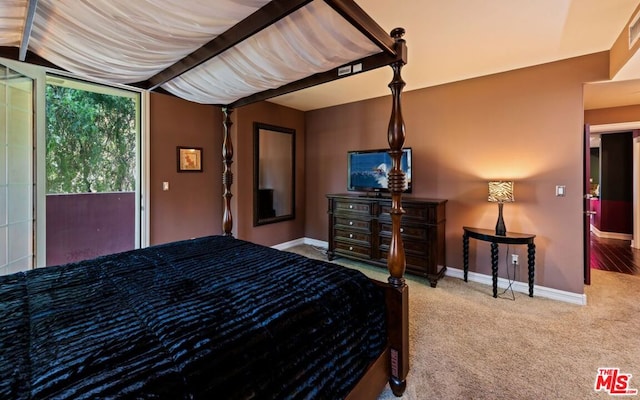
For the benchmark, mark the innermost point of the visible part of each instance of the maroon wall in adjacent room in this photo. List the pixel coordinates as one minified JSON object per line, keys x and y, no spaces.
{"x":616,"y":182}
{"x":615,"y":214}
{"x":192,"y":207}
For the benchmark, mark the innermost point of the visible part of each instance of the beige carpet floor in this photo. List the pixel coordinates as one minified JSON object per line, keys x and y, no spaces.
{"x":465,"y":344}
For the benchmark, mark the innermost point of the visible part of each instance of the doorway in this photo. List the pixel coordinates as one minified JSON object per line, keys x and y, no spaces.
{"x":612,"y":248}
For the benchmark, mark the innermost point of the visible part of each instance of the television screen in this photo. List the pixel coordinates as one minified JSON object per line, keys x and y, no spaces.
{"x":367,"y":170}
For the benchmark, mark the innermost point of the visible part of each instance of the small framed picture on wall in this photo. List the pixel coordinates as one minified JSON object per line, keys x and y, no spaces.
{"x":189,"y":159}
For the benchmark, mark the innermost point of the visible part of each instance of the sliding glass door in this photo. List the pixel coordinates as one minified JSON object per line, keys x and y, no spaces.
{"x":92,"y":170}
{"x":16,"y":172}
{"x":70,"y":169}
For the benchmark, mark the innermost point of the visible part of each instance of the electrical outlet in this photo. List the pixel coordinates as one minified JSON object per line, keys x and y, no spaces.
{"x":514,"y":259}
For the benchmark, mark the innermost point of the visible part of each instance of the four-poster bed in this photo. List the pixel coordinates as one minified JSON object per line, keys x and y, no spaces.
{"x":264,"y":49}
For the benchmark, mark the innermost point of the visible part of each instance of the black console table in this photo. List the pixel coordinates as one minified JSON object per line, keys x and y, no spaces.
{"x":489,"y":235}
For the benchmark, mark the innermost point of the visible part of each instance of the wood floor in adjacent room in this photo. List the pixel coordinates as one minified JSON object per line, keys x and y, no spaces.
{"x":614,"y":255}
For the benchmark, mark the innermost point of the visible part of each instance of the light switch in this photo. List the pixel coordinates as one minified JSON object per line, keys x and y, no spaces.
{"x":560,"y":190}
{"x":165,"y":186}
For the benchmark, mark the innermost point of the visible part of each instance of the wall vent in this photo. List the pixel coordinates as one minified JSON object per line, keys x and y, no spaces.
{"x":634,"y":30}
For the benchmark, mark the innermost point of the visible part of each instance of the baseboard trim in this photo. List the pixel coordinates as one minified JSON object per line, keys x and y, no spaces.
{"x":611,"y":235}
{"x":521,"y":287}
{"x":291,"y":243}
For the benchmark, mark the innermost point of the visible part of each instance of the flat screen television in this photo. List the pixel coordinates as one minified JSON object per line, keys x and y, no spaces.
{"x":367,"y":170}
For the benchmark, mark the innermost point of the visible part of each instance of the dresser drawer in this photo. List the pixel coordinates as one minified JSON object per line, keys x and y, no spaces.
{"x":352,"y":223}
{"x":352,"y":207}
{"x":408,"y":231}
{"x":417,"y":262}
{"x":415,"y":247}
{"x":413,"y":212}
{"x":353,"y":249}
{"x":346,"y":234}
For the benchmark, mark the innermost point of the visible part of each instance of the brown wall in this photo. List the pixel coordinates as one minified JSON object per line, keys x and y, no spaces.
{"x":612,"y":115}
{"x":242,"y":134}
{"x":524,"y":125}
{"x":192,"y":207}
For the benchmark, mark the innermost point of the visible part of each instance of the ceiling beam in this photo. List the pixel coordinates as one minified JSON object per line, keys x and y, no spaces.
{"x":264,"y":17}
{"x":350,"y":11}
{"x":26,"y":31}
{"x":366,"y":64}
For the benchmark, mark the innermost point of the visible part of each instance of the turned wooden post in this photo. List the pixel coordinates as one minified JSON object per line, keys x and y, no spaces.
{"x":227,"y":175}
{"x":396,"y":261}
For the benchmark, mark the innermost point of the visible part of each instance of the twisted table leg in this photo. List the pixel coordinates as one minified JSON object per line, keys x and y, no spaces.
{"x":531,"y":258}
{"x":465,"y":255}
{"x":494,"y":267}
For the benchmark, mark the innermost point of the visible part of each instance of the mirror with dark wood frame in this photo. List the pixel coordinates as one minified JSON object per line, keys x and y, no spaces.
{"x":274,"y":173}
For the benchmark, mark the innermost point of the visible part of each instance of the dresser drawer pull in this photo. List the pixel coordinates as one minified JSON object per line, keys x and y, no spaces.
{"x":350,"y":205}
{"x":350,"y":222}
{"x":401,"y":230}
{"x":351,"y":236}
{"x":350,"y":248}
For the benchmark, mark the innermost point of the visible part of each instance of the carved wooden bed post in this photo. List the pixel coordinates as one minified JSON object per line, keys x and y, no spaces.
{"x":396,"y":261}
{"x":227,"y":175}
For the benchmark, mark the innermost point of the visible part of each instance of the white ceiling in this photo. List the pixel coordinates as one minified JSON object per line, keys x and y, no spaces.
{"x":452,"y":40}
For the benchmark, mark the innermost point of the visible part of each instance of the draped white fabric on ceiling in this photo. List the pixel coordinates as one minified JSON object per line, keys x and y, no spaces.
{"x":12,"y":21}
{"x":126,"y":41}
{"x":313,"y":39}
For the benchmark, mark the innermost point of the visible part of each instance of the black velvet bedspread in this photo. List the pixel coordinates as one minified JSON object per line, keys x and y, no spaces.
{"x":209,"y":318}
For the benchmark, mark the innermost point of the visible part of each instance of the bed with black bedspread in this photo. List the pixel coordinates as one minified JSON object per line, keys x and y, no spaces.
{"x":212,"y":317}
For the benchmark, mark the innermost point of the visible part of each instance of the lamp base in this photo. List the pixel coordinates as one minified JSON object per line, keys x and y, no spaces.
{"x":501,"y":229}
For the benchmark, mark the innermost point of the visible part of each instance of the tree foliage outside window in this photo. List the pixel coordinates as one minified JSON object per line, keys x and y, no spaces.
{"x":91,"y":141}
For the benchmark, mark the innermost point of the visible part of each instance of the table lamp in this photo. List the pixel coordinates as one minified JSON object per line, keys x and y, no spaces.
{"x":500,"y":192}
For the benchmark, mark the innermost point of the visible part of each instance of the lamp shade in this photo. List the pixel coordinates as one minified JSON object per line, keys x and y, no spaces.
{"x":501,"y":191}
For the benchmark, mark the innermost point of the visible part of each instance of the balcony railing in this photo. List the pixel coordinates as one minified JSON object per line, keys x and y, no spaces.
{"x":87,"y":225}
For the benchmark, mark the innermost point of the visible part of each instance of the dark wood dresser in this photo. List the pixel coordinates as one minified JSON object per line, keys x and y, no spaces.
{"x":360,"y":228}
